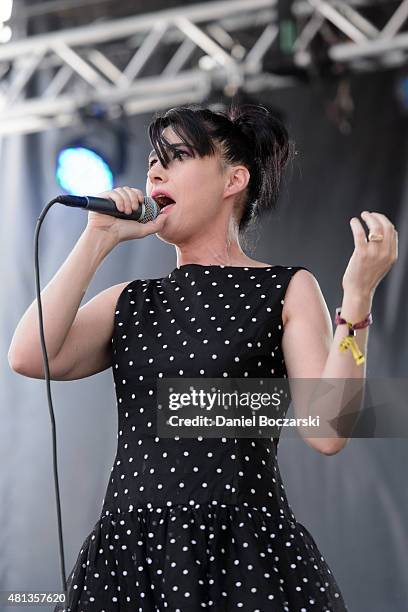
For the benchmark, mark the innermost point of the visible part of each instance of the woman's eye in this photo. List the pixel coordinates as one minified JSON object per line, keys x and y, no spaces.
{"x":178,"y":154}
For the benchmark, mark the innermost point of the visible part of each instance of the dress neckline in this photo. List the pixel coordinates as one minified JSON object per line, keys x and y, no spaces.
{"x":187,"y":265}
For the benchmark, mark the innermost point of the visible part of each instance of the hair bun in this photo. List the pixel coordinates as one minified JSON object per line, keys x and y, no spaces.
{"x":266,"y":132}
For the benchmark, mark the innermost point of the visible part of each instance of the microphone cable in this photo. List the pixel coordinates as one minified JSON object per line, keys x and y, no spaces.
{"x":148,"y":211}
{"x":48,"y":387}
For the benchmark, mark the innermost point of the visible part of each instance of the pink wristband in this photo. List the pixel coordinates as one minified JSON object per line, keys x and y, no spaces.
{"x":360,"y":325}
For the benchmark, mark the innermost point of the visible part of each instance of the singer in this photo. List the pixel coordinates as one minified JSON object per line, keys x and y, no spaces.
{"x":203,"y":523}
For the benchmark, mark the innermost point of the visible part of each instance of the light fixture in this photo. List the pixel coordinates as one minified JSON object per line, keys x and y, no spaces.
{"x":90,"y":159}
{"x":6,"y":8}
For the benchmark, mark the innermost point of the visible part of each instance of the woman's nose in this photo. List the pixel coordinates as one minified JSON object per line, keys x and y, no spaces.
{"x":156,"y":172}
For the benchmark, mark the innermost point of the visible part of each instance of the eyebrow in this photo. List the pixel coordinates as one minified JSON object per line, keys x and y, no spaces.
{"x":173,"y":145}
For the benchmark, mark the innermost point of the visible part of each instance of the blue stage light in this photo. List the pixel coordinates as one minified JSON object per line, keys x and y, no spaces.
{"x":83,"y":171}
{"x":91,"y":156}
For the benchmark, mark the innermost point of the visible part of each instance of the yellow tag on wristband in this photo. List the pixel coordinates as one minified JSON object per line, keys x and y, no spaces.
{"x":349,"y":342}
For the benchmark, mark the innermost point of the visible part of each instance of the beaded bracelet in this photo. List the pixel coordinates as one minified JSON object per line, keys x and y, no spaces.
{"x":349,"y":340}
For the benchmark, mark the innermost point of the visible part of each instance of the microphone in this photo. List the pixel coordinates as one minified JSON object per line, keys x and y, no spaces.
{"x":148,"y":211}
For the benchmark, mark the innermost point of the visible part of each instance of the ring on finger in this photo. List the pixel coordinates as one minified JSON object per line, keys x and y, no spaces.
{"x":372,"y":237}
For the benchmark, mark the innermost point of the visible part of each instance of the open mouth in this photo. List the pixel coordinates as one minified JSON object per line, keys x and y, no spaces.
{"x":163,"y":201}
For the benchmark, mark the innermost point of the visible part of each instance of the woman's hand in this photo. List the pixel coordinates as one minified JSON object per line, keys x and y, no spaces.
{"x":370,"y":261}
{"x":127,"y":200}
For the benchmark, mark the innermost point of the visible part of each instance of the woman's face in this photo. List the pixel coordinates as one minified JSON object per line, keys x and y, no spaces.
{"x":197,"y":185}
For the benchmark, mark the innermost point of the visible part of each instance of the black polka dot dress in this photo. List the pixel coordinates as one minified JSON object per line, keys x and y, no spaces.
{"x":190,"y":524}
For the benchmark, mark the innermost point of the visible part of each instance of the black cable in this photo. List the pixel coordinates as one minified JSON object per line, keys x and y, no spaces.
{"x":47,"y":379}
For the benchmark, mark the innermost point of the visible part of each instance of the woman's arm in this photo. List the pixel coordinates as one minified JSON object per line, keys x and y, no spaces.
{"x":66,"y":326}
{"x":60,"y":299}
{"x":311,"y":351}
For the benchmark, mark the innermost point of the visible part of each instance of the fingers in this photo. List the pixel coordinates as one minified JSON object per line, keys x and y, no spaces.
{"x":359,"y":235}
{"x":378,"y":223}
{"x":154,"y":226}
{"x":384,"y":220}
{"x":390,"y":236}
{"x":127,"y":199}
{"x":375,"y":225}
{"x":134,"y":196}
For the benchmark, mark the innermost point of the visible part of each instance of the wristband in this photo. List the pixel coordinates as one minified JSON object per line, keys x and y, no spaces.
{"x":349,"y":340}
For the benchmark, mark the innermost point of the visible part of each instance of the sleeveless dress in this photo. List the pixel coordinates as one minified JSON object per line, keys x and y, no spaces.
{"x":197,"y":523}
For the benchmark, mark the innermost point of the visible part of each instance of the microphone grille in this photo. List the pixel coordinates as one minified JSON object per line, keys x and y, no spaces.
{"x":151,"y":210}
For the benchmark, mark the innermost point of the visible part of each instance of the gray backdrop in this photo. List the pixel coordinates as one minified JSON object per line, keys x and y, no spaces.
{"x":354,"y":503}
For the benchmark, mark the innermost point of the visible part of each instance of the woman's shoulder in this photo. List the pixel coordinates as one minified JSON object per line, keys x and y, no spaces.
{"x":115,"y":292}
{"x":303,"y":290}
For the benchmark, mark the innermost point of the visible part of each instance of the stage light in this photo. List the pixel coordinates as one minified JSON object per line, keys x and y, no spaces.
{"x":82,"y":171}
{"x":91,"y":159}
{"x":6,"y":7}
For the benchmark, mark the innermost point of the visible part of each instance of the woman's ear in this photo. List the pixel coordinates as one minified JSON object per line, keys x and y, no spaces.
{"x":238,"y":180}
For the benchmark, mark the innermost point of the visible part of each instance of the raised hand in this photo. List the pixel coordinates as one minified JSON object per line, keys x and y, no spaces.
{"x":127,"y":200}
{"x":371,"y":259}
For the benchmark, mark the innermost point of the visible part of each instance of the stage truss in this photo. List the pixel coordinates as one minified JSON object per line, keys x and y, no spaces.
{"x":153,"y":61}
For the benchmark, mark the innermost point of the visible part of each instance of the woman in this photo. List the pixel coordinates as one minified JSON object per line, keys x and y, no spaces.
{"x":189,"y":524}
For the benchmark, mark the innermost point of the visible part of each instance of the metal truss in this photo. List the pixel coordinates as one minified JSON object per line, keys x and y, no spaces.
{"x":163,"y":59}
{"x":157,"y":60}
{"x":367,"y":45}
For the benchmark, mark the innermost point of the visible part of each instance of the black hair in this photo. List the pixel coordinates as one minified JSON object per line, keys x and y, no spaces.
{"x":247,"y":134}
